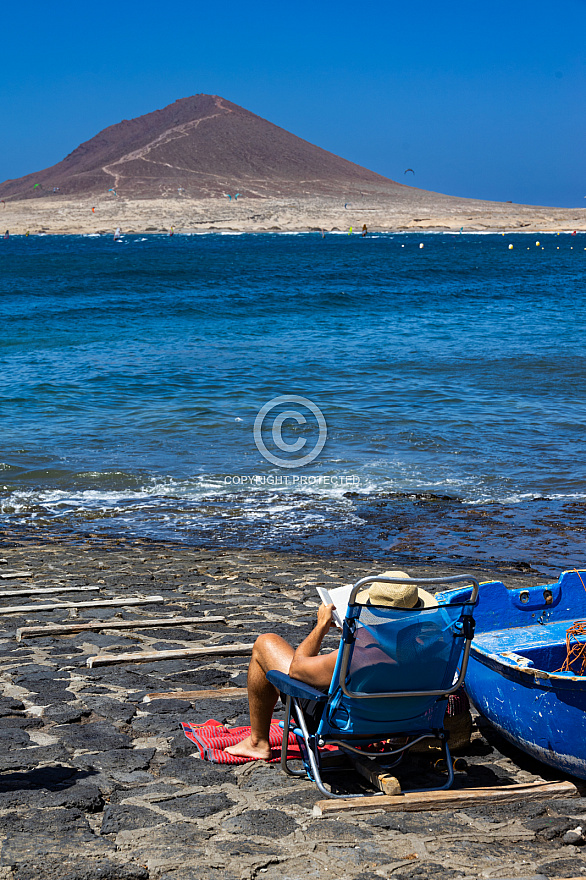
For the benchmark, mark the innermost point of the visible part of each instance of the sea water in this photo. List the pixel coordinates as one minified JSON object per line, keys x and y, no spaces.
{"x":449,"y":379}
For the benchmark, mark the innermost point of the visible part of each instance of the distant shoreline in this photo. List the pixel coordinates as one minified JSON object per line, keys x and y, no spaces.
{"x":422,"y":212}
{"x":108,"y":233}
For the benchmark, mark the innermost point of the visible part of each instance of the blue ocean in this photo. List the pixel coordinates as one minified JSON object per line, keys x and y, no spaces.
{"x":407,"y":396}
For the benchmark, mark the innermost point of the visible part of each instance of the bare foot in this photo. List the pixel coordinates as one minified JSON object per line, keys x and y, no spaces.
{"x":245,"y":749}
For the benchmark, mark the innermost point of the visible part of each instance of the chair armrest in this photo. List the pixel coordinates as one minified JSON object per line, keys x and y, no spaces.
{"x":294,"y":688}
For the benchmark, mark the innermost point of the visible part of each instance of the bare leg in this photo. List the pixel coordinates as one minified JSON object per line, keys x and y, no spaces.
{"x":270,"y":652}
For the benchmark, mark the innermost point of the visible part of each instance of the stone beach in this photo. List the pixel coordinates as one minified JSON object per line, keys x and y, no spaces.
{"x":98,"y":785}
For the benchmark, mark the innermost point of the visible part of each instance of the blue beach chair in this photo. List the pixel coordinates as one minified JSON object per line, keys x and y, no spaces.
{"x":395,"y":669}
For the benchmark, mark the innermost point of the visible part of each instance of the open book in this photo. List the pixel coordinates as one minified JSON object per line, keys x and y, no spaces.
{"x":338,"y":596}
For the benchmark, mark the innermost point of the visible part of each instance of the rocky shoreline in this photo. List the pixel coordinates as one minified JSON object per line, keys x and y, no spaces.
{"x":407,"y":210}
{"x":98,"y":785}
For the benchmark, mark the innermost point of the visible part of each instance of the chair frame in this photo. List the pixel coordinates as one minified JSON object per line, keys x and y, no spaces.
{"x":295,"y":690}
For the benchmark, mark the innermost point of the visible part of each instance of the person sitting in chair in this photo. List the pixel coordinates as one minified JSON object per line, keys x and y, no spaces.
{"x":305,"y":663}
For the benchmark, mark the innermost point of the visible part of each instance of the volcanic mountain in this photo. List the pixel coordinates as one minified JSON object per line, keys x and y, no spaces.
{"x":198,"y":147}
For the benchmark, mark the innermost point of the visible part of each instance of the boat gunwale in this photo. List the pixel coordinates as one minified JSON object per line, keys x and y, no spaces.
{"x":506,"y":664}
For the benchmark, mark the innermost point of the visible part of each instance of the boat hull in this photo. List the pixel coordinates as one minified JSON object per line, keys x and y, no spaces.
{"x":515,"y":676}
{"x":545,"y":721}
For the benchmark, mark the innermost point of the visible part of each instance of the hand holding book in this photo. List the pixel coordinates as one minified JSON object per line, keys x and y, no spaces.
{"x":338,"y":597}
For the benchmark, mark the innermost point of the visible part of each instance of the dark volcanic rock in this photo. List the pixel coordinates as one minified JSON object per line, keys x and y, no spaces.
{"x":180,"y":746}
{"x":20,"y":759}
{"x":13,"y":739}
{"x":8,"y":706}
{"x":426,"y":871}
{"x":157,"y":725}
{"x":550,"y":827}
{"x":563,"y":867}
{"x":43,"y":777}
{"x":158,"y":707}
{"x":128,"y":678}
{"x":127,"y":760}
{"x":13,"y":721}
{"x":239,"y":680}
{"x":303,"y":797}
{"x":113,"y":710}
{"x":202,"y":872}
{"x":196,"y":772}
{"x":50,"y":694}
{"x":261,"y":823}
{"x":81,"y":869}
{"x":100,"y":736}
{"x":174,"y":836}
{"x":82,"y":796}
{"x":265,"y":777}
{"x":152,"y":788}
{"x":332,"y":829}
{"x":202,"y":678}
{"x":220,"y":710}
{"x":197,"y":806}
{"x":175,"y":633}
{"x":34,"y":833}
{"x":120,"y":817}
{"x":68,"y":713}
{"x":32,"y":672}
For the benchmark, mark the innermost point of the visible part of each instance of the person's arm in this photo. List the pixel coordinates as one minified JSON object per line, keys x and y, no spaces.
{"x":307,"y":664}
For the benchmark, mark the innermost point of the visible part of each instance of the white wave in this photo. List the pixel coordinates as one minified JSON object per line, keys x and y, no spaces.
{"x":267,"y":494}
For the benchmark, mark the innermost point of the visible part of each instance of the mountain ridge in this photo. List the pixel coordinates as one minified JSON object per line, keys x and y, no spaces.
{"x":202,"y":146}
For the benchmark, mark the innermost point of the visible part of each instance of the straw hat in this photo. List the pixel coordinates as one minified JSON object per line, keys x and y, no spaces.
{"x":403,"y":595}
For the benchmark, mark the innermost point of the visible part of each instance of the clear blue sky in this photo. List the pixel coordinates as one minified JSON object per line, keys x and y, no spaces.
{"x":482,"y":100}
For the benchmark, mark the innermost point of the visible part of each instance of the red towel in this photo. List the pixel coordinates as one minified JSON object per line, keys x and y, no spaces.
{"x":211,"y":738}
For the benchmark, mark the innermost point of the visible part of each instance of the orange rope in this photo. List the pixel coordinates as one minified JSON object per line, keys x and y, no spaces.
{"x":575,"y":648}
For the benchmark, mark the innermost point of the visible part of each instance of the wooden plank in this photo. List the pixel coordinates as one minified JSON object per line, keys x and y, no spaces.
{"x":6,"y":575}
{"x":153,"y":656}
{"x":213,"y":694}
{"x":375,"y":774}
{"x":45,"y":591}
{"x":448,"y":800}
{"x":94,"y":603}
{"x":29,"y":632}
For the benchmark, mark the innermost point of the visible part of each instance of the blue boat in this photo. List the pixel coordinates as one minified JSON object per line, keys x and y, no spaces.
{"x":513,"y":675}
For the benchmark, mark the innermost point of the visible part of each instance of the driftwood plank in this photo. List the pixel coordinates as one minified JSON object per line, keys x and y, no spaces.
{"x":448,"y":800}
{"x":45,"y":591}
{"x":6,"y":575}
{"x":213,"y":694}
{"x":386,"y":783}
{"x":94,"y":603}
{"x":29,"y":632}
{"x":150,"y":656}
